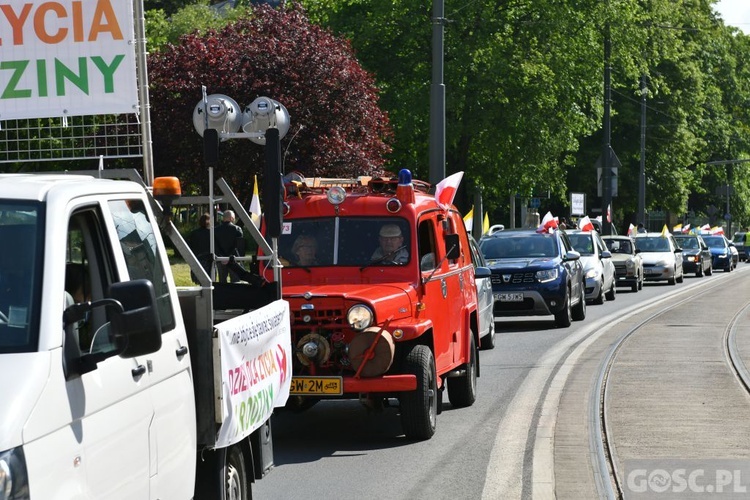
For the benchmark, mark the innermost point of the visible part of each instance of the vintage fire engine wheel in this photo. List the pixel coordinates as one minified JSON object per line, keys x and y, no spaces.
{"x":462,"y":391}
{"x":238,"y":484}
{"x":419,"y":407}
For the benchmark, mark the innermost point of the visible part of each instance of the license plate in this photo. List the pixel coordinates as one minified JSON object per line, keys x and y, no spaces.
{"x":509,"y":297}
{"x":328,"y":386}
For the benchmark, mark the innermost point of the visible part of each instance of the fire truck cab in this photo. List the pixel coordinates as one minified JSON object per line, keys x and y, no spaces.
{"x":380,"y":283}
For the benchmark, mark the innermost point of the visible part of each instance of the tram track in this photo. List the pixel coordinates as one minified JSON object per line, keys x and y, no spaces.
{"x":608,"y":473}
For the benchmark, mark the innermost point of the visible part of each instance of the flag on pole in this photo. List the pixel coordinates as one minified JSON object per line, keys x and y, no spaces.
{"x":255,"y":211}
{"x":705,"y":227}
{"x":585,"y":224}
{"x":686,"y":228}
{"x":664,"y":231}
{"x":445,"y":190}
{"x":549,"y":223}
{"x":631,"y":230}
{"x":486,"y":223}
{"x":469,"y":220}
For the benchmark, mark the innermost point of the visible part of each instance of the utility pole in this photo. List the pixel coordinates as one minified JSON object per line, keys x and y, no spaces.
{"x":607,"y":147}
{"x":642,"y":173}
{"x":437,"y":96}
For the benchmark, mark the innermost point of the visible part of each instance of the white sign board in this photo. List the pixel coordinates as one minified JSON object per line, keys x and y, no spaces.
{"x":67,"y":58}
{"x":256,"y":369}
{"x":577,"y":204}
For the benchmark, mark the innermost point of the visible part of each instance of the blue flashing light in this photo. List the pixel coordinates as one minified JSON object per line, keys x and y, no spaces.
{"x":404,"y":176}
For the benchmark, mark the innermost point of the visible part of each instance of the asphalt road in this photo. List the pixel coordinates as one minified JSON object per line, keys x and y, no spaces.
{"x":342,"y":450}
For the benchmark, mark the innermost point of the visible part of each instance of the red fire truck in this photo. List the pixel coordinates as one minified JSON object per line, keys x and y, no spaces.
{"x":380,"y":283}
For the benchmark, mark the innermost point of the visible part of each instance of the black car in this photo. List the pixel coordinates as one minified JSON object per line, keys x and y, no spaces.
{"x":696,"y":256}
{"x":535,"y":274}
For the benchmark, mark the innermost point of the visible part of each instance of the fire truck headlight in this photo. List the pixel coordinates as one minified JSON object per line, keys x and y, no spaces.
{"x":359,"y":317}
{"x":336,"y":195}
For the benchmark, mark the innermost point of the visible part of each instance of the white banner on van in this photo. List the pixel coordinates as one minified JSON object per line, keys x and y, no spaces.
{"x":256,"y":369}
{"x":66,"y":58}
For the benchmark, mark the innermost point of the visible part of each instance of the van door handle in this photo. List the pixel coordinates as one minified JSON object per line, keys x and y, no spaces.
{"x":181,"y":351}
{"x":138,"y":371}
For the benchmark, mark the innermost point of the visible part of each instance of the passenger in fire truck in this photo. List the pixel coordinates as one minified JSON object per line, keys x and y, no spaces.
{"x":304,"y":250}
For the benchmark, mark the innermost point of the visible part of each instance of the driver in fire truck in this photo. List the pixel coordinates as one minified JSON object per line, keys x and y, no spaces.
{"x":392,"y":248}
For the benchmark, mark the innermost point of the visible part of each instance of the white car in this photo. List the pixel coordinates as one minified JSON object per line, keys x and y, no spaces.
{"x":662,"y":258}
{"x":485,"y":299}
{"x":597,"y":265}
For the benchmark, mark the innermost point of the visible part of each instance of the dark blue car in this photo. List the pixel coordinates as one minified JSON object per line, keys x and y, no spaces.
{"x":535,"y":274}
{"x":721,"y":254}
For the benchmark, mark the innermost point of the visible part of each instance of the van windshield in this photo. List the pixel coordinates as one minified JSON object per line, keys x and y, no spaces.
{"x":20,"y":275}
{"x":345,"y":241}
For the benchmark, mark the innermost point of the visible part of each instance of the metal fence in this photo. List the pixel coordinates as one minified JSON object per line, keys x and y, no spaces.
{"x":70,"y":138}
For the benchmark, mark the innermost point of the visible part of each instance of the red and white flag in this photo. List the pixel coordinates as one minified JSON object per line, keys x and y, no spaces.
{"x":445,"y":190}
{"x":631,"y":230}
{"x":585,"y":224}
{"x":717,"y":230}
{"x":686,"y":228}
{"x":705,"y":227}
{"x":609,"y":213}
{"x":549,"y":223}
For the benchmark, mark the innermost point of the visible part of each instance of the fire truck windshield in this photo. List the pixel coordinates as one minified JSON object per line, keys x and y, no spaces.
{"x":345,"y":241}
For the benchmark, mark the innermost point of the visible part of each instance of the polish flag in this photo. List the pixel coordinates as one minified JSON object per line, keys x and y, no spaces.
{"x":686,"y":228}
{"x":706,"y":228}
{"x":585,"y":224}
{"x":717,"y":230}
{"x":631,"y":230}
{"x":609,"y":213}
{"x":548,"y":224}
{"x":445,"y":190}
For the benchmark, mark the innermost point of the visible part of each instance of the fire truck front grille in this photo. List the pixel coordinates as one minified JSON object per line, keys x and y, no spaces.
{"x":326,"y":318}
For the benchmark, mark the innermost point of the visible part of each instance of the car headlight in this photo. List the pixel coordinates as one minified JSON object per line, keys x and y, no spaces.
{"x":359,"y":317}
{"x":547,"y":275}
{"x":14,"y":482}
{"x":592,"y":273}
{"x":630,"y":264}
{"x":723,"y":255}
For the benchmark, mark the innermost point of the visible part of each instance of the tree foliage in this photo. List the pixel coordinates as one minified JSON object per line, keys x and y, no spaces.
{"x":337,"y":128}
{"x":525,"y":94}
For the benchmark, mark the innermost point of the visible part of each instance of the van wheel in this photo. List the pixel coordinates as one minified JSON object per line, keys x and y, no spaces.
{"x":462,"y":391}
{"x":237,"y":483}
{"x":579,"y":311}
{"x":488,"y":341}
{"x":564,"y":318}
{"x":612,"y":293}
{"x":419,"y":407}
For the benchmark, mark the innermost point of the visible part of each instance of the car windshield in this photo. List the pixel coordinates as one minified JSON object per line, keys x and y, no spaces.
{"x":522,"y":245}
{"x":582,"y":243}
{"x":21,"y":232}
{"x":714,"y":241}
{"x":345,"y":241}
{"x":688,"y":243}
{"x":652,"y":244}
{"x":619,"y":246}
